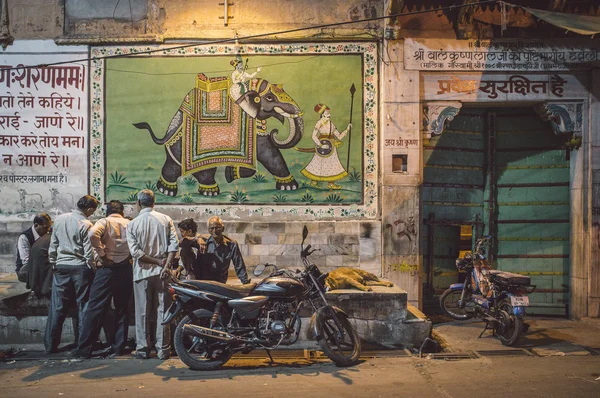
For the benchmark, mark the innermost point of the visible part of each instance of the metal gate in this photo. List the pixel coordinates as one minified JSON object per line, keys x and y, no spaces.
{"x":502,"y":171}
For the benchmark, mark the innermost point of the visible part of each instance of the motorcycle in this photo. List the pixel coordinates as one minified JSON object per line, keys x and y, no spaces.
{"x":220,"y":320}
{"x":501,"y":304}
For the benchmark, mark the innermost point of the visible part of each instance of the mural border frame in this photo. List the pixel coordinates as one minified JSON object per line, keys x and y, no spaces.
{"x":369,"y":50}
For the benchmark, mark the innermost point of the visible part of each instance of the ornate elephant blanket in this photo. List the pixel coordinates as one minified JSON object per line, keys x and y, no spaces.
{"x":214,"y":131}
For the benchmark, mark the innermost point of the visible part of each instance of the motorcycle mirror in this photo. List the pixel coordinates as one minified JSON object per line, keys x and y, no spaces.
{"x":260,"y":268}
{"x":304,"y":233}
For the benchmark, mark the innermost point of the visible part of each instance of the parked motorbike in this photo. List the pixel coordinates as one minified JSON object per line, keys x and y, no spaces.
{"x":501,"y":304}
{"x":221,"y":319}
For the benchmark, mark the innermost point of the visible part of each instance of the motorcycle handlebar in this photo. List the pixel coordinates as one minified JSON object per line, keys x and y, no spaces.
{"x":307,"y":252}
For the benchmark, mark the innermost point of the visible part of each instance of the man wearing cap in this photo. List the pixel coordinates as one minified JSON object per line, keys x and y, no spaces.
{"x":325,"y":164}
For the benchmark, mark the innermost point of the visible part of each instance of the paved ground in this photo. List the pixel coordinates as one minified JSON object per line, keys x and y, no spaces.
{"x":471,"y":367}
{"x":546,"y":336}
{"x":568,"y":376}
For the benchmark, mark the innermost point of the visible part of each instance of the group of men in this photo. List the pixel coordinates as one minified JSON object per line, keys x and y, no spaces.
{"x":99,"y":265}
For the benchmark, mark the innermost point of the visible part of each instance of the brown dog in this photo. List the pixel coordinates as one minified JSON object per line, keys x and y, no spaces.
{"x":347,"y":278}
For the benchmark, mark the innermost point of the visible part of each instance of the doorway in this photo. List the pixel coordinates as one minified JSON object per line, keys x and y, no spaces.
{"x":498,"y":171}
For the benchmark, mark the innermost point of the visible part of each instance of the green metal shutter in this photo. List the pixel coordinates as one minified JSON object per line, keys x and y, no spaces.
{"x":532,"y":220}
{"x":453,"y":183}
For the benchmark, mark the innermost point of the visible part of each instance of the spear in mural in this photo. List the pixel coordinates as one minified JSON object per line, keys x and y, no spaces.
{"x":352,"y":91}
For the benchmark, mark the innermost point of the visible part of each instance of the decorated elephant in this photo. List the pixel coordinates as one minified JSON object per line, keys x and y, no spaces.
{"x":210,"y":129}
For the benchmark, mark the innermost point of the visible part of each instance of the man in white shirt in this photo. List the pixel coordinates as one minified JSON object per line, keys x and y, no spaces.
{"x":153,"y":243}
{"x":41,"y":225}
{"x":113,"y":281}
{"x":71,"y":256}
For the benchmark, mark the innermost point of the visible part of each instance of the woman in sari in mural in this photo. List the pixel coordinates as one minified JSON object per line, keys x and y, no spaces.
{"x":325,"y":164}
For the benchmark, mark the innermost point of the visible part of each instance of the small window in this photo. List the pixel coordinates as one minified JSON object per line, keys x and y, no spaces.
{"x":400,"y":164}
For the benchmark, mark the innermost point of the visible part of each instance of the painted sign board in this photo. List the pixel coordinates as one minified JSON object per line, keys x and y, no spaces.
{"x":500,"y":55}
{"x":495,"y":86}
{"x":43,"y":127}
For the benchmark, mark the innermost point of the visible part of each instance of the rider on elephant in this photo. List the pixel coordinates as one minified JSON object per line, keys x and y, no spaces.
{"x":239,"y":86}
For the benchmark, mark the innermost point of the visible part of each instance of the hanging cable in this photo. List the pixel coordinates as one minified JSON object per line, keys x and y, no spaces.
{"x":258,"y":36}
{"x":503,"y":17}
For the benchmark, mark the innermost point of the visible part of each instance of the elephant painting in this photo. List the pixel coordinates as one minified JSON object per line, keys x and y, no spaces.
{"x":210,"y":129}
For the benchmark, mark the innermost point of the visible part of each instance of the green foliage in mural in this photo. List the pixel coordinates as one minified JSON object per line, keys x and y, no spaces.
{"x":239,"y":196}
{"x":190,"y":181}
{"x":187,"y":198}
{"x":308,"y":198}
{"x":334,"y":198}
{"x":259,"y":178}
{"x":117,"y":178}
{"x":151,"y":186}
{"x":132,"y":196}
{"x":279,"y":198}
{"x":355,"y":175}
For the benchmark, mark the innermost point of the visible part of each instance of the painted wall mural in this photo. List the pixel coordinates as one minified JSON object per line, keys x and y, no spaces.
{"x":267,"y":128}
{"x":43,"y":128}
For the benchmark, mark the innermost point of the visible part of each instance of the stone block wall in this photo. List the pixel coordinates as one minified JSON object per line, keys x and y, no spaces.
{"x":340,"y":243}
{"x":9,"y":233}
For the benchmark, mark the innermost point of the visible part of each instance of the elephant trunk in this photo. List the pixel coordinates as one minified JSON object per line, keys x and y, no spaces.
{"x":294,"y":136}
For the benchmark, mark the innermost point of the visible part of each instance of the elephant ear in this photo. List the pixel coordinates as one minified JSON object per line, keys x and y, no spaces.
{"x":250,"y":96}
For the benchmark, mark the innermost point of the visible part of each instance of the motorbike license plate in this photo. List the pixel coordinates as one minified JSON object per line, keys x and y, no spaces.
{"x":519,"y":301}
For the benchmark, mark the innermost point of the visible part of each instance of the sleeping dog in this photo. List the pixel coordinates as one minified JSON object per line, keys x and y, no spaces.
{"x":347,"y":278}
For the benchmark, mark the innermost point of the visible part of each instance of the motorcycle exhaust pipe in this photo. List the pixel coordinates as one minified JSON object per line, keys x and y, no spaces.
{"x":199,"y":331}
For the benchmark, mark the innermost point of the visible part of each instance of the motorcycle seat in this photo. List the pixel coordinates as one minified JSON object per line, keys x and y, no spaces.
{"x":231,"y":291}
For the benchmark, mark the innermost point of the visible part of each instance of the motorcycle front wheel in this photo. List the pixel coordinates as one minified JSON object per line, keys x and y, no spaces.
{"x":510,"y":328}
{"x":341,"y":345}
{"x":449,"y":303}
{"x":200,"y":353}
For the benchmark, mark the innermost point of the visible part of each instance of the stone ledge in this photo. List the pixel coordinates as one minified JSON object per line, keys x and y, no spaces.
{"x":382,"y":304}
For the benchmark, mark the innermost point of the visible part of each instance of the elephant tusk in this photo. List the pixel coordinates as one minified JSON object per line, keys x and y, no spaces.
{"x":287,"y":115}
{"x":282,"y":112}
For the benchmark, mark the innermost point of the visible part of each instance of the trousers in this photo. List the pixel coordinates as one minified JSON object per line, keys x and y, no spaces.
{"x":110,"y":283}
{"x":69,"y":283}
{"x":151,"y":301}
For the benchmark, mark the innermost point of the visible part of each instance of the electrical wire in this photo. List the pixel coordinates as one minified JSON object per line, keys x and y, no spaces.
{"x":307,"y":58}
{"x":257,"y":36}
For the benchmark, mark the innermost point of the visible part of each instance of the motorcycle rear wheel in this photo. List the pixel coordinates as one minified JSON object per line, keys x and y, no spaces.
{"x":449,"y":303}
{"x":200,"y":353}
{"x":341,"y":346}
{"x":510,"y":328}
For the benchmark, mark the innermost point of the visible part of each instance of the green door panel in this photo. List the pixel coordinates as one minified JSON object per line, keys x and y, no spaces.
{"x":533,"y":188}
